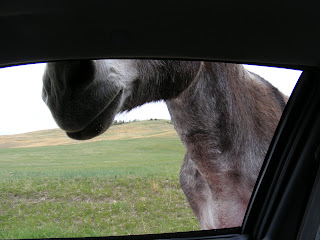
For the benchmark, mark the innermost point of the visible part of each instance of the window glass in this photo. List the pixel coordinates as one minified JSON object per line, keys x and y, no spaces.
{"x":114,"y":167}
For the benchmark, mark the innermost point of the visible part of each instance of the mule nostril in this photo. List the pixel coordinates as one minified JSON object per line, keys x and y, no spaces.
{"x":46,"y":87}
{"x":44,"y":95}
{"x":81,"y":73}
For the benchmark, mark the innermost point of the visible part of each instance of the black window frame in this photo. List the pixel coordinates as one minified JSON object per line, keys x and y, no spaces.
{"x":287,"y":188}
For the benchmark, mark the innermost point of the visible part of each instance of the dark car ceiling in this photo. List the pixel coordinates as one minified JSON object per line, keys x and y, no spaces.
{"x":262,"y":32}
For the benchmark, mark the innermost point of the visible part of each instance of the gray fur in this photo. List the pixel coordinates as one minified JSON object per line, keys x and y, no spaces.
{"x":225,"y":117}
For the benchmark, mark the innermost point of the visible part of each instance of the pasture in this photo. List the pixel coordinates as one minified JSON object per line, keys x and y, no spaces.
{"x":124,"y":182}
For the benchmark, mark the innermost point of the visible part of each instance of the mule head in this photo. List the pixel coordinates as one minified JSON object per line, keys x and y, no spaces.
{"x":84,"y":96}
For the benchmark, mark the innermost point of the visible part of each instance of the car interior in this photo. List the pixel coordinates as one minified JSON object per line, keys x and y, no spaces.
{"x":285,"y":200}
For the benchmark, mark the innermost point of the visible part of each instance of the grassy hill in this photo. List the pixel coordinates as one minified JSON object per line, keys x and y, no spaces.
{"x":132,"y":130}
{"x":123,"y":182}
{"x":143,"y":148}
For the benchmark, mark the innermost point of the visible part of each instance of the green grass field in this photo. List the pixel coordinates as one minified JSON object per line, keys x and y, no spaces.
{"x":122,"y":184}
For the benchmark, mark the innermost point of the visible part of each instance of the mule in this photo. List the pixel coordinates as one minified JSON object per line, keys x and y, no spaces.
{"x":224,"y":115}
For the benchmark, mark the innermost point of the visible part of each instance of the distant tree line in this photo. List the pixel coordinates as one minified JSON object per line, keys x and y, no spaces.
{"x":119,"y":122}
{"x":116,"y":122}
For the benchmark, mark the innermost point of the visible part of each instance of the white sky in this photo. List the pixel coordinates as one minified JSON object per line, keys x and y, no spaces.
{"x":22,"y":108}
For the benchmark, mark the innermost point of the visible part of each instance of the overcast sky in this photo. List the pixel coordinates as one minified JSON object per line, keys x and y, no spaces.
{"x":22,"y":109}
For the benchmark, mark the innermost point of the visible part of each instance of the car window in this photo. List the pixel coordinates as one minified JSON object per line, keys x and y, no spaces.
{"x":124,"y":147}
